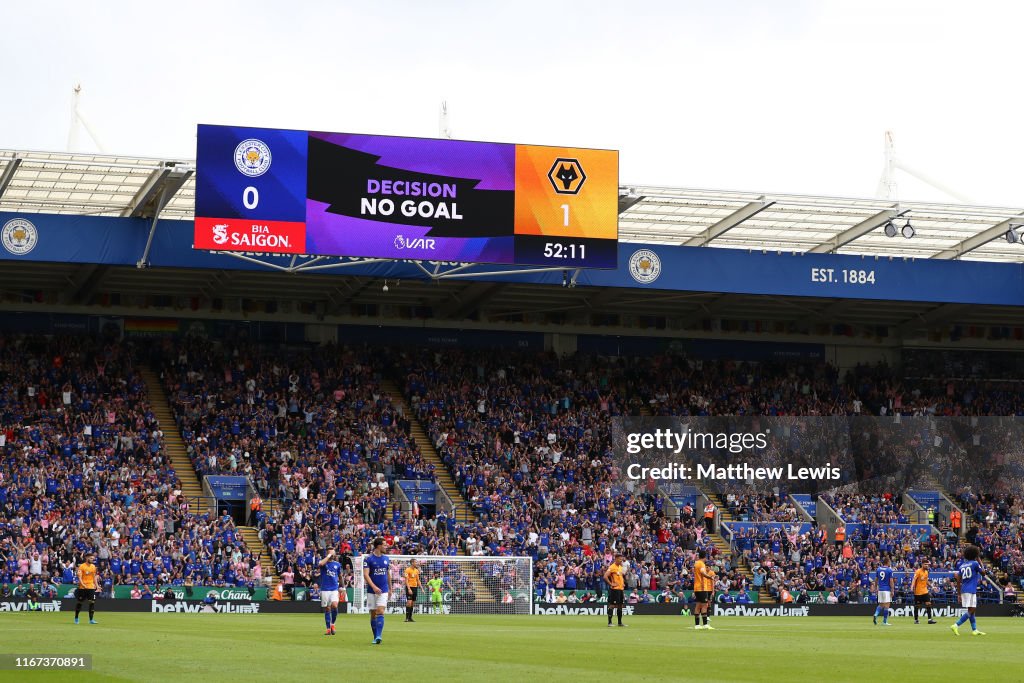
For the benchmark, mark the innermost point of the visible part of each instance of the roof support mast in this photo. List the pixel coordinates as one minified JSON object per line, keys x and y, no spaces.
{"x":887,"y":188}
{"x":77,"y":119}
{"x":444,"y":127}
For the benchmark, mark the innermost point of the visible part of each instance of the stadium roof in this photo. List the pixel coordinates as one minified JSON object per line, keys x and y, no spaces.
{"x":70,"y":183}
{"x":802,"y":223}
{"x":95,"y":185}
{"x":87,"y":184}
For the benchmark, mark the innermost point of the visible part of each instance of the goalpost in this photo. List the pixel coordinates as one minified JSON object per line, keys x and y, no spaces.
{"x":471,"y":585}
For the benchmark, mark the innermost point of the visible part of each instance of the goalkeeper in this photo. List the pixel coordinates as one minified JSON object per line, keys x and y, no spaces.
{"x":33,"y":600}
{"x":434,"y":586}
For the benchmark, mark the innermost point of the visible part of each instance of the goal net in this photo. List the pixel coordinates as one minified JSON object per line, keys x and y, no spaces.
{"x":469,"y":585}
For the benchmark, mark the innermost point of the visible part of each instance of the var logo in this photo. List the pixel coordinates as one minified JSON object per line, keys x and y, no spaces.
{"x":402,"y":242}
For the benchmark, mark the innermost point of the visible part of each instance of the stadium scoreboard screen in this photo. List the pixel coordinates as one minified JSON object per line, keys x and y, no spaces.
{"x":338,"y":194}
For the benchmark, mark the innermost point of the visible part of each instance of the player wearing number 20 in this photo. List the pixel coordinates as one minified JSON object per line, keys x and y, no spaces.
{"x":375,"y":576}
{"x":968,"y":575}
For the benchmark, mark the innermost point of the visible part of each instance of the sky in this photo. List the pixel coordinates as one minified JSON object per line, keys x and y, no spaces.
{"x":790,"y":96}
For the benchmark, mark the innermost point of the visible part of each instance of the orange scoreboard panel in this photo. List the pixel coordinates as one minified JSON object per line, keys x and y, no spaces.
{"x":566,"y":205}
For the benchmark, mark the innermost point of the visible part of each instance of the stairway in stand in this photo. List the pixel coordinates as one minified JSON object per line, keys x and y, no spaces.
{"x":990,"y":569}
{"x":174,"y":446}
{"x":723,"y":546}
{"x":463,"y":511}
{"x":251,"y":536}
{"x":742,"y":566}
{"x":191,"y":487}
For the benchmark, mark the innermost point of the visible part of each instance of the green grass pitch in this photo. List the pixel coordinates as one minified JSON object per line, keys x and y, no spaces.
{"x":214,"y":647}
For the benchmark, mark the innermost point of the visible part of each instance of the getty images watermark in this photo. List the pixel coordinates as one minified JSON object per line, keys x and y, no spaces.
{"x":820,"y":453}
{"x":680,"y":453}
{"x":685,"y":452}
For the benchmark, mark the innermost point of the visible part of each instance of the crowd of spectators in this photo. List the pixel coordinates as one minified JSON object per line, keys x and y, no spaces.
{"x":998,"y":529}
{"x":525,"y":436}
{"x":526,"y":439}
{"x":314,"y":432}
{"x":752,"y":507}
{"x":855,"y":508}
{"x":82,"y":468}
{"x":785,"y":560}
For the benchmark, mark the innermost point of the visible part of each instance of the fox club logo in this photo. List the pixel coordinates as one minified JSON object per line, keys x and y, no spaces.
{"x":644,"y":266}
{"x":252,"y":157}
{"x":19,"y":236}
{"x":567,"y":176}
{"x":220,"y":233}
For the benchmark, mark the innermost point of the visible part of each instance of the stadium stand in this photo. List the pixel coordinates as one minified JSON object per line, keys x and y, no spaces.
{"x":519,"y":441}
{"x":881,"y":509}
{"x":84,"y":468}
{"x":763,"y":508}
{"x":316,"y":433}
{"x":998,"y":530}
{"x":526,"y":439}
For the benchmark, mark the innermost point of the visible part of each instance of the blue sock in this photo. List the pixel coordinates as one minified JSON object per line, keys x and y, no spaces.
{"x":334,"y":614}
{"x":373,"y":625}
{"x":327,"y":618}
{"x":878,"y":610}
{"x":974,"y":624}
{"x":885,"y":616}
{"x":962,"y":620}
{"x":380,"y":626}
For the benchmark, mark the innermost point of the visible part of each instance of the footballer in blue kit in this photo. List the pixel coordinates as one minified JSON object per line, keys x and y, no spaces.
{"x":884,"y":590}
{"x":330,"y":571}
{"x":375,"y":575}
{"x":968,"y":576}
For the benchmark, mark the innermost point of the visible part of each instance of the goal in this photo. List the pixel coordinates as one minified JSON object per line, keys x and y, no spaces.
{"x":471,"y":585}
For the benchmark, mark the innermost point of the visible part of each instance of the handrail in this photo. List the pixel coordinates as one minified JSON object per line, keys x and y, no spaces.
{"x":198,"y":505}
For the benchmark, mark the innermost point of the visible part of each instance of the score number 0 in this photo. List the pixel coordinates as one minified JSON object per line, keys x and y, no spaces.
{"x":251,"y":198}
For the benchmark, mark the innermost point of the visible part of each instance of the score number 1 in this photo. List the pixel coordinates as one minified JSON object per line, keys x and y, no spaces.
{"x":565,"y":215}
